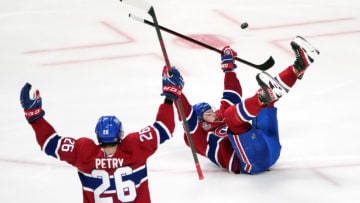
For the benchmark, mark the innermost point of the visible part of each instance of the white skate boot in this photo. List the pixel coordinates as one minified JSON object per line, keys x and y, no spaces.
{"x":271,"y":90}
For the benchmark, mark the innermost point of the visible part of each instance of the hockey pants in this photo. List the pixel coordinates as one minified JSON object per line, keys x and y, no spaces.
{"x":259,"y":148}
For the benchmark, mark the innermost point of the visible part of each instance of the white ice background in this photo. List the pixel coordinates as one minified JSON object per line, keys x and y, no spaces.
{"x":89,"y":59}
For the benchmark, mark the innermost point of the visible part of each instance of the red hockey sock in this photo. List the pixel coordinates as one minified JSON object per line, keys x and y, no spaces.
{"x":253,"y":105}
{"x":288,"y":77}
{"x":236,"y":124}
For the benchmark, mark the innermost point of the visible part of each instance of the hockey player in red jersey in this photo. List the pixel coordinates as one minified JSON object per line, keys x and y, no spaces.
{"x":242,"y":135}
{"x":115,"y":169}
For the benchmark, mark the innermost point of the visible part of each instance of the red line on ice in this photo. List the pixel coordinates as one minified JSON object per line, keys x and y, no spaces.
{"x":122,"y":34}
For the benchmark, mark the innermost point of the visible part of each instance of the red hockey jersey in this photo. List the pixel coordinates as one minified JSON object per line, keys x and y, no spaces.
{"x":210,"y":139}
{"x":121,"y":177}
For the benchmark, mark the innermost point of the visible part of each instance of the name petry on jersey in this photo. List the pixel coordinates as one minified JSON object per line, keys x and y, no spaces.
{"x":121,"y":177}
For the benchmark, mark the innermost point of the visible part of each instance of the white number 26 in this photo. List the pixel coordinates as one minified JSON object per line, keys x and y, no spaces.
{"x":121,"y":186}
{"x":145,"y":134}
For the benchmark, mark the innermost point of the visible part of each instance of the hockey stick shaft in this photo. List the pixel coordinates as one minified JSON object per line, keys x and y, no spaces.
{"x":162,"y":45}
{"x":179,"y":104}
{"x":268,"y":63}
{"x":150,"y":10}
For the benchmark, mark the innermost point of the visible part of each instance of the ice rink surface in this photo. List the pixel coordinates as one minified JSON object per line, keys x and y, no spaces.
{"x":89,"y":59}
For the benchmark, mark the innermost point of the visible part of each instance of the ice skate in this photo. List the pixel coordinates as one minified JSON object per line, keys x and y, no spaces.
{"x":271,"y":90}
{"x":305,"y":55}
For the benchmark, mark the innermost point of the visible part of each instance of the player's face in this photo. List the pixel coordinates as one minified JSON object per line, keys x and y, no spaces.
{"x":210,"y":116}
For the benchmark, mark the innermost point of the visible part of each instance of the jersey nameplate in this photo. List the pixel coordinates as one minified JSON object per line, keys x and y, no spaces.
{"x":104,"y":163}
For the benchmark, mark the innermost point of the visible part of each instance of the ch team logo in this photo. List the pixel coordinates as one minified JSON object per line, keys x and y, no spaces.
{"x":221,"y":131}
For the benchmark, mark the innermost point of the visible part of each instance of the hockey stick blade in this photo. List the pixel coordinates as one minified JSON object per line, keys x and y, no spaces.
{"x":268,"y":64}
{"x":265,"y":66}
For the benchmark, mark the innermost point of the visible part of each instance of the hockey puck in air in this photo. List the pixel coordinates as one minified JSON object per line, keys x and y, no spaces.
{"x":244,"y":25}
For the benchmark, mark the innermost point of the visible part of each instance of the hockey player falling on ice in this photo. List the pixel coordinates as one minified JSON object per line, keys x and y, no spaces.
{"x":114,"y":170}
{"x":242,"y":136}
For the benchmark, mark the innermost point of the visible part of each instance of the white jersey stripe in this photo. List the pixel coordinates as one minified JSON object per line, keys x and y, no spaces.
{"x":278,"y":78}
{"x":243,"y":154}
{"x":231,"y":162}
{"x":57,"y":148}
{"x":246,"y":111}
{"x":239,"y":113}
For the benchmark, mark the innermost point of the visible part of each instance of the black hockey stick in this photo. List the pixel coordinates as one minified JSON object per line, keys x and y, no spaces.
{"x":268,"y":63}
{"x":150,"y":10}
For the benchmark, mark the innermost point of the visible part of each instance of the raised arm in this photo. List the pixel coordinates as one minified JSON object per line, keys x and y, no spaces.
{"x":172,"y":85}
{"x":62,"y":148}
{"x":148,"y":139}
{"x":32,"y":105}
{"x":232,"y":89}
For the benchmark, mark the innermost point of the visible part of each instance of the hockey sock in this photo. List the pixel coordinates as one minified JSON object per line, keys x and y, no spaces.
{"x":253,"y":105}
{"x":235,"y":120}
{"x":287,"y":77}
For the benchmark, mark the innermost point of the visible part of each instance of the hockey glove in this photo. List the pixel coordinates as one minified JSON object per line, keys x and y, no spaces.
{"x":227,"y":59}
{"x":172,"y":82}
{"x":32,"y":106}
